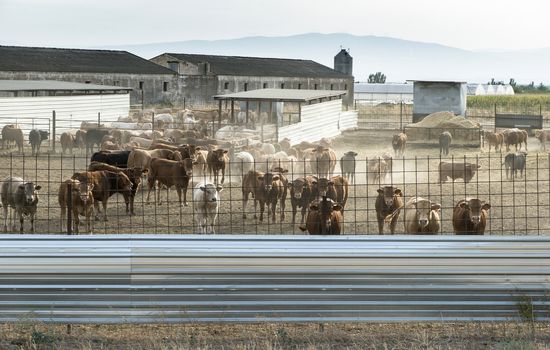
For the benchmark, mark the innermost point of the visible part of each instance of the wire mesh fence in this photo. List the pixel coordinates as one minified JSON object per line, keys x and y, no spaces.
{"x":519,"y":200}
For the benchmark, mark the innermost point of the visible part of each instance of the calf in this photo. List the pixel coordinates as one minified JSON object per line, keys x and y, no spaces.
{"x":398,"y":144}
{"x":377,"y":169}
{"x":388,"y":203}
{"x":347,"y":165}
{"x":445,"y":139}
{"x":116,"y":158}
{"x":68,"y":142}
{"x":462,"y":170}
{"x":323,"y":161}
{"x":133,"y":173}
{"x":421,"y":216}
{"x":81,"y":201}
{"x":495,"y":139}
{"x":336,"y":188}
{"x":301,"y":194}
{"x":216,"y":160}
{"x":206,"y":201}
{"x":514,"y":162}
{"x":170,"y":173}
{"x":543,"y":136}
{"x":267,"y":188}
{"x":470,"y":216}
{"x":324,"y":218}
{"x":22,"y":197}
{"x":105,"y":184}
{"x":35,"y":139}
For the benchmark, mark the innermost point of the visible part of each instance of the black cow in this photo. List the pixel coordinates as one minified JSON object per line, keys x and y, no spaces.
{"x":35,"y":139}
{"x":94,"y":137}
{"x":116,"y":158}
{"x":514,"y":162}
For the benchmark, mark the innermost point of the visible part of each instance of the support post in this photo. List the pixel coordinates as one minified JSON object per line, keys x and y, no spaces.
{"x":261,"y":121}
{"x":98,"y":119}
{"x":299,"y":112}
{"x":233,"y":111}
{"x":53,"y":131}
{"x":219,"y":117}
{"x":69,"y":209}
{"x":246,"y":120}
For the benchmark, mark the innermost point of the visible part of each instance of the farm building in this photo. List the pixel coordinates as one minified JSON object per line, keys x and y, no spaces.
{"x":203,"y":76}
{"x":488,"y":89}
{"x":437,"y":96}
{"x":32,"y":103}
{"x":383,"y":93}
{"x":149,"y":82}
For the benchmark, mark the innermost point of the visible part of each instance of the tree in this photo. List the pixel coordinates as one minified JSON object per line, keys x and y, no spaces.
{"x":542,"y":88}
{"x":377,"y":78}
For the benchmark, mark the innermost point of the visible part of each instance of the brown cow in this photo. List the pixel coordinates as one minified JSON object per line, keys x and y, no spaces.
{"x":106,"y":183}
{"x":217,"y":160}
{"x":11,"y":133}
{"x":323,"y":161}
{"x":324,"y":218}
{"x":251,"y":185}
{"x":421,"y":216}
{"x":398,"y":143}
{"x":470,"y":216}
{"x":389,"y":202}
{"x":81,"y":201}
{"x":543,"y":136}
{"x":68,"y":142}
{"x":515,"y":137}
{"x":301,"y":194}
{"x":462,"y":170}
{"x":170,"y":173}
{"x":495,"y":139}
{"x":267,"y":188}
{"x":336,"y":189}
{"x":377,"y":169}
{"x":133,"y":173}
{"x":140,"y":158}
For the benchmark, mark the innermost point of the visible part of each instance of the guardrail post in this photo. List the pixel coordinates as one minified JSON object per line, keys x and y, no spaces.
{"x":53,"y":131}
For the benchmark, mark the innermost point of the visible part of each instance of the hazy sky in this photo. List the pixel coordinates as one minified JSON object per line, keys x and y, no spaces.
{"x":468,"y":24}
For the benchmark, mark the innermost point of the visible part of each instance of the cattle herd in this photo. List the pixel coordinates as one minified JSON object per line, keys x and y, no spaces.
{"x":271,"y":175}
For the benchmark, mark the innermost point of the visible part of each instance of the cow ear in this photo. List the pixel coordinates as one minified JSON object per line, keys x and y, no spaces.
{"x":314,"y":182}
{"x":37,"y":188}
{"x":436,"y":206}
{"x":219,"y":188}
{"x":90,"y":186}
{"x":336,"y":207}
{"x":202,"y":188}
{"x":290,"y":184}
{"x":479,"y":166}
{"x":225,"y":151}
{"x":260,"y":177}
{"x":486,"y":206}
{"x":313,"y":207}
{"x":276,"y":177}
{"x":464,"y":205}
{"x":397,"y":191}
{"x":355,"y":154}
{"x":381,"y":191}
{"x":331,"y":182}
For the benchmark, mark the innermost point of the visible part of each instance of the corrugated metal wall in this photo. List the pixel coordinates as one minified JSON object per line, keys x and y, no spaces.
{"x":36,"y":112}
{"x":319,"y":120}
{"x":145,"y":278}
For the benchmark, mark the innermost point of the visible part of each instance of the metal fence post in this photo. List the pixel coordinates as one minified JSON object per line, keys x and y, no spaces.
{"x":401,"y":115}
{"x":53,"y":131}
{"x":98,"y":119}
{"x":69,"y":208}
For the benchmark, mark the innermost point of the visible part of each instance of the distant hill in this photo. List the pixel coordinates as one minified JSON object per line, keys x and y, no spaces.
{"x":399,"y":59}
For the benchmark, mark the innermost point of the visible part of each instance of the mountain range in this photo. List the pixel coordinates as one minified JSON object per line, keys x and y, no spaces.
{"x":398,"y":59}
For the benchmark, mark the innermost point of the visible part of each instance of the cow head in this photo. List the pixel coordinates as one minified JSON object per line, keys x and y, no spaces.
{"x":44,"y":134}
{"x":474,"y":208}
{"x":323,"y":185}
{"x":351,"y":154}
{"x":268,"y":180}
{"x":424,"y":209}
{"x":325,"y":207}
{"x":210,"y":192}
{"x":298,"y":187}
{"x":30,"y":192}
{"x":82,"y":189}
{"x":187,"y":165}
{"x":219,"y":154}
{"x":389,"y":193}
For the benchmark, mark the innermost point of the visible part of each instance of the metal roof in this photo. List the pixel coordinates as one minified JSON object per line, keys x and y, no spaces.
{"x":439,"y":81}
{"x":47,"y":59}
{"x":281,"y":95}
{"x":383,"y":88}
{"x":261,"y":66}
{"x":54,"y":85}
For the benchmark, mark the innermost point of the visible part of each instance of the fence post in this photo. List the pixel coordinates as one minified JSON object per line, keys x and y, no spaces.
{"x":53,"y":131}
{"x":69,"y":208}
{"x":401,"y":115}
{"x":98,"y":119}
{"x":153,"y":121}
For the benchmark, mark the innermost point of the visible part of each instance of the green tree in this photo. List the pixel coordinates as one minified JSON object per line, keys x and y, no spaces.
{"x":377,"y":78}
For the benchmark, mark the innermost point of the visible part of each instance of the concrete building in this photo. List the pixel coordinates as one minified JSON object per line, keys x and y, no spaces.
{"x":437,"y":96}
{"x":152,"y":83}
{"x":203,"y":76}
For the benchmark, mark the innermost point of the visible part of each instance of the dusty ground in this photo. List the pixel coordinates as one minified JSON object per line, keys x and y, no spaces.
{"x":500,"y":336}
{"x":518,"y":207}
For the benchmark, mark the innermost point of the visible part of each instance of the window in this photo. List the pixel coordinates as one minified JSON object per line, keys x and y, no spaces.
{"x":265,"y":85}
{"x":315,"y":86}
{"x":299,"y":86}
{"x":165,"y":86}
{"x":174,"y":66}
{"x":245,"y":86}
{"x":282,"y":85}
{"x":226,"y":86}
{"x":141,"y":85}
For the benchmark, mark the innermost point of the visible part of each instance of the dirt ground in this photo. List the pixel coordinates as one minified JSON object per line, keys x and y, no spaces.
{"x":519,"y":206}
{"x":425,"y":336}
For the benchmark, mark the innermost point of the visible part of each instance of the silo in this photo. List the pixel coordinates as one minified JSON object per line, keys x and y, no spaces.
{"x":343,"y":62}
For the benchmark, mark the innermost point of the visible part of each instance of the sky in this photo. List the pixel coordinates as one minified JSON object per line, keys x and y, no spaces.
{"x":466,"y":24}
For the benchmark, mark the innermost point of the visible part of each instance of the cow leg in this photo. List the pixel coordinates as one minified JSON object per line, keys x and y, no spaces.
{"x":245,"y":202}
{"x":76,"y":221}
{"x":282,"y":208}
{"x":97,"y":211}
{"x":185,"y":203}
{"x":304,"y":208}
{"x":262,"y":208}
{"x":273,"y":210}
{"x":32,"y":221}
{"x":5,"y":214}
{"x":380,"y":226}
{"x":21,"y":220}
{"x":105,"y":210}
{"x":150,"y":185}
{"x":63,"y":216}
{"x":178,"y":190}
{"x":294,"y":211}
{"x":223,"y":174}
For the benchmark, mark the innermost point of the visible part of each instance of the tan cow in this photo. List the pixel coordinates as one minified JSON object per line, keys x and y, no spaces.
{"x":324,"y":218}
{"x":543,"y":136}
{"x":81,"y":201}
{"x":495,"y":139}
{"x":68,"y":142}
{"x":421,"y":216}
{"x":170,"y":173}
{"x":388,"y":204}
{"x":336,"y":188}
{"x":11,"y":133}
{"x":458,"y":170}
{"x":470,"y":216}
{"x":323,"y":161}
{"x":398,"y":143}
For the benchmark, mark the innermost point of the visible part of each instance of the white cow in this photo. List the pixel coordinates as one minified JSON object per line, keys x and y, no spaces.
{"x":206,"y":198}
{"x":243,"y":163}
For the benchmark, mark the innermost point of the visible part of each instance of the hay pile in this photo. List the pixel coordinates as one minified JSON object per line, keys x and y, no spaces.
{"x":445,"y":120}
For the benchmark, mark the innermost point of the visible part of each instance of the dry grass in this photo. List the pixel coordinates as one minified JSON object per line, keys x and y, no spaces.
{"x":473,"y":335}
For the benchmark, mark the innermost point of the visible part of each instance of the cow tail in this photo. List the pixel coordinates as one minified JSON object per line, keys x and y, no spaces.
{"x":346,"y":188}
{"x":390,"y":217}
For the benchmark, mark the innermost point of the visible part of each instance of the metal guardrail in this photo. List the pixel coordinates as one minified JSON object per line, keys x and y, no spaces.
{"x":168,"y":279}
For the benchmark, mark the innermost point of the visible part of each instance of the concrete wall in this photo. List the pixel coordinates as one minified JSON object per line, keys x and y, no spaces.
{"x":152,"y":84}
{"x":430,"y":97}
